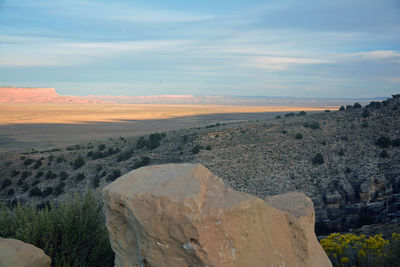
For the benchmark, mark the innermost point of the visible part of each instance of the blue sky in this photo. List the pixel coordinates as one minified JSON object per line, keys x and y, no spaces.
{"x":249,"y":47}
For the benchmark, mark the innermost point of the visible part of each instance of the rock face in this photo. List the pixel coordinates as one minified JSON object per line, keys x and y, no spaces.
{"x":183,"y":215}
{"x":15,"y":253}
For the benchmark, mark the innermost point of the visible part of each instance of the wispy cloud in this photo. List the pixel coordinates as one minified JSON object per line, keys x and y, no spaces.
{"x":378,"y":54}
{"x":264,"y":48}
{"x":282,"y":63}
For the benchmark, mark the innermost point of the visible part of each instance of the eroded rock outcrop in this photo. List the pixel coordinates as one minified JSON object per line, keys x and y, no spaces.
{"x":183,"y":215}
{"x":15,"y":253}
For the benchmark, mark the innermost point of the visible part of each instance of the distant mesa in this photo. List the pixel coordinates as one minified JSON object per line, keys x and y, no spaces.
{"x":49,"y":95}
{"x":38,"y":95}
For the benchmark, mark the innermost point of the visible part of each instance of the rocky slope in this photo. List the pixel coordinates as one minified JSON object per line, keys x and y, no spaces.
{"x":347,"y":161}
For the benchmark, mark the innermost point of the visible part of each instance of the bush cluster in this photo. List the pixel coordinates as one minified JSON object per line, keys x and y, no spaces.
{"x":383,"y":142}
{"x":102,"y":153}
{"x":143,"y":162}
{"x":72,"y":233}
{"x":196,"y":149}
{"x":28,"y":162}
{"x":79,"y":162}
{"x":114,"y":175}
{"x":37,"y":164}
{"x":6,"y":182}
{"x":318,"y":159}
{"x":151,"y":143}
{"x":291,"y":114}
{"x":352,"y":250}
{"x":125,"y":155}
{"x":212,"y":125}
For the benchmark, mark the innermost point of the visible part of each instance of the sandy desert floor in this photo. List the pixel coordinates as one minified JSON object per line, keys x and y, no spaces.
{"x":42,"y":126}
{"x":84,"y":113}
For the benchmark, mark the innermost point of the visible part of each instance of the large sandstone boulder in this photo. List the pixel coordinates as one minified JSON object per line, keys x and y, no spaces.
{"x":15,"y":253}
{"x":183,"y":215}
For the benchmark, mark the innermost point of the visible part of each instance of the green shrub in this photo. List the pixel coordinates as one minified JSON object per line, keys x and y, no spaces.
{"x":396,"y":142}
{"x":314,"y":125}
{"x":384,"y":154}
{"x":11,"y":192}
{"x":318,"y":159}
{"x":89,"y":154}
{"x":141,"y":143}
{"x":348,"y":170}
{"x":79,"y":162}
{"x":63,"y":176}
{"x":291,"y":114}
{"x":383,"y":142}
{"x":25,"y":174}
{"x":102,"y":154}
{"x":364,"y":124}
{"x":99,"y":167}
{"x":143,"y":162}
{"x":327,"y":110}
{"x":50,"y":175}
{"x":357,"y":105}
{"x":59,"y":189}
{"x":80,"y":176}
{"x":278,"y":117}
{"x":101,"y":147}
{"x":342,"y":108}
{"x":35,"y":192}
{"x":51,"y":158}
{"x":196,"y":149}
{"x":47,"y":192}
{"x":20,"y":182}
{"x":365,"y":113}
{"x":114,"y":175}
{"x":125,"y":155}
{"x":341,"y":152}
{"x":375,"y":104}
{"x":25,"y":187}
{"x":96,"y":181}
{"x":155,"y":137}
{"x":299,"y":136}
{"x":72,"y":233}
{"x":37,"y":164}
{"x":28,"y":162}
{"x":14,"y":173}
{"x":6,"y":182}
{"x":302,"y":113}
{"x":284,"y":131}
{"x":39,"y":174}
{"x":208,"y":147}
{"x":35,"y":182}
{"x":60,"y":159}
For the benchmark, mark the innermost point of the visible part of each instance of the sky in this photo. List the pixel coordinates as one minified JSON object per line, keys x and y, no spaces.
{"x":341,"y":48}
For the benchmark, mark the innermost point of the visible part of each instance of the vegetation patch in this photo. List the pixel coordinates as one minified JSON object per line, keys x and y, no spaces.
{"x":72,"y":233}
{"x":348,"y":250}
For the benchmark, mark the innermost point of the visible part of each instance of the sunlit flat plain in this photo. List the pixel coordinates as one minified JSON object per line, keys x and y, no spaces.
{"x":86,"y":113}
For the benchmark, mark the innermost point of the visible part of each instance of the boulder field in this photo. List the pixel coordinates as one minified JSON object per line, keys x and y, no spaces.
{"x":183,"y":215}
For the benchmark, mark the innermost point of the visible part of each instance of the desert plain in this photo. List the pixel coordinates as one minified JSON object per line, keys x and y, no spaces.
{"x":45,"y":125}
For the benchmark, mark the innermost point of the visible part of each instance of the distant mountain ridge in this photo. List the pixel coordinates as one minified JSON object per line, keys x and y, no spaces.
{"x":49,"y":95}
